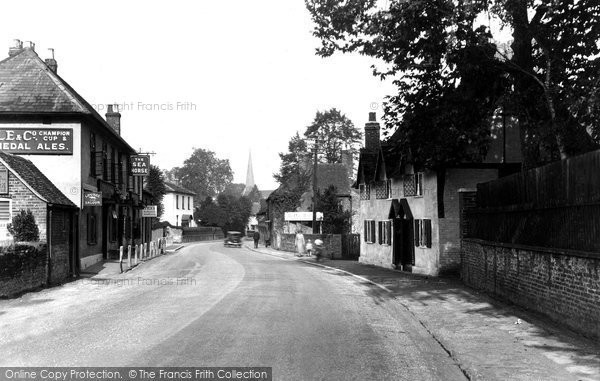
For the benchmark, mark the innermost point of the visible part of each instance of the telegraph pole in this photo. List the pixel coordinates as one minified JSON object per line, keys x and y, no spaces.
{"x":314,"y":198}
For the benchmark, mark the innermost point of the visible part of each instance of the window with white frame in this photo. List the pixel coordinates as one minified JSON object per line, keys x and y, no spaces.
{"x":385,"y":232}
{"x":369,"y":231}
{"x":422,"y":233}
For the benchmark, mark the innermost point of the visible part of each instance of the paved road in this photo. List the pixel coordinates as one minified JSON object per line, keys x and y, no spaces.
{"x":207,"y":305}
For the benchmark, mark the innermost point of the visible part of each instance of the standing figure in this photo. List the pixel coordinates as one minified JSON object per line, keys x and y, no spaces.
{"x":256,"y":237}
{"x":309,"y":247}
{"x":299,"y":243}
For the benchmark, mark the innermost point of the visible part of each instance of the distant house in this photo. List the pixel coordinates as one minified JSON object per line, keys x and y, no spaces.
{"x":409,"y":215}
{"x":24,"y":187}
{"x":178,"y":206}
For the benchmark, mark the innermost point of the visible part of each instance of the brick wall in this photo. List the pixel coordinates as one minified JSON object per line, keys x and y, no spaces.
{"x":332,"y":243}
{"x":562,"y":285}
{"x":23,"y":198}
{"x":59,"y":259}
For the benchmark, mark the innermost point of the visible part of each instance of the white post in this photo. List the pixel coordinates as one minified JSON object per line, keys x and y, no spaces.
{"x":129,"y":255}
{"x":121,"y":257}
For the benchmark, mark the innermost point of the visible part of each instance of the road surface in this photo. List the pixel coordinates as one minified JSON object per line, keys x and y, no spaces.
{"x":207,"y":305}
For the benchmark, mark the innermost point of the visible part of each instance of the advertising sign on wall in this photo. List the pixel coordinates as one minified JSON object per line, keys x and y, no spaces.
{"x":37,"y":141}
{"x":150,"y":211}
{"x":92,"y":198}
{"x":140,"y":165}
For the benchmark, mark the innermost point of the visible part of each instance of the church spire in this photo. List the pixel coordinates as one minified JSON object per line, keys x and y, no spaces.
{"x":249,"y":176}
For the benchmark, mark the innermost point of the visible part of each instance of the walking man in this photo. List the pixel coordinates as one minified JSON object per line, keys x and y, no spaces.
{"x":256,"y":237}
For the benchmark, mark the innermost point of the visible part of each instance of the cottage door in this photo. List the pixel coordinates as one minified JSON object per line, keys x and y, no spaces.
{"x":397,"y":242}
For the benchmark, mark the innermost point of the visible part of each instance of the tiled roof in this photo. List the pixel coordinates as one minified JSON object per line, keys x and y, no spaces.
{"x":28,"y":86}
{"x":255,"y":208}
{"x":265,"y":193}
{"x":174,"y":188}
{"x":333,"y":174}
{"x":35,"y":179}
{"x":367,"y":161}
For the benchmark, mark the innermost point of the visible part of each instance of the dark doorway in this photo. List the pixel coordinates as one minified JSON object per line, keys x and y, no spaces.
{"x":403,"y":240}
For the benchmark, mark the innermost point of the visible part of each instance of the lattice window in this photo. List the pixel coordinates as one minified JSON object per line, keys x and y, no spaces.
{"x":365,"y":192}
{"x":381,"y":190}
{"x":388,"y":188}
{"x":413,"y":184}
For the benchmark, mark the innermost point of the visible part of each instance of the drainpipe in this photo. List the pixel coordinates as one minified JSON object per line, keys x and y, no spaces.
{"x":49,"y":242}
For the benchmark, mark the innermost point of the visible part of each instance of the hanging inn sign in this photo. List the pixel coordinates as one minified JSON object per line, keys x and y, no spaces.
{"x":37,"y":141}
{"x":140,"y":165}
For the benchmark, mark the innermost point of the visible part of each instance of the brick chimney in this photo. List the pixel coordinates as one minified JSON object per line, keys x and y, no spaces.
{"x":51,"y":62}
{"x":372,"y":133}
{"x":113,"y":118}
{"x":16,"y":48}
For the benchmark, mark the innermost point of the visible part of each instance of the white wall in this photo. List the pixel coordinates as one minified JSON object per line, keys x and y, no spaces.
{"x":171,"y":213}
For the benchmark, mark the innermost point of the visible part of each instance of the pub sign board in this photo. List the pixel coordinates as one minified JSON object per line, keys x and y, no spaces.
{"x":140,"y":165}
{"x":150,"y":211}
{"x":92,"y":198}
{"x":37,"y":141}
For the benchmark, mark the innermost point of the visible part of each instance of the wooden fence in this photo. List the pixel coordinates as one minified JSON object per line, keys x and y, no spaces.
{"x":557,"y":206}
{"x":201,"y":233}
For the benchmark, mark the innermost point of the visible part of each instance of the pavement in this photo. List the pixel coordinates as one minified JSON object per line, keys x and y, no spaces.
{"x":109,"y":268}
{"x":487,"y":338}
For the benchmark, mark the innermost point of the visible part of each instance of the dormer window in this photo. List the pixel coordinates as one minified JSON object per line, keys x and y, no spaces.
{"x":413,"y":184}
{"x":365,"y":191}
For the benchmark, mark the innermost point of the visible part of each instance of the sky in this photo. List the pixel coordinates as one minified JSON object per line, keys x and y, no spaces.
{"x":227,"y":76}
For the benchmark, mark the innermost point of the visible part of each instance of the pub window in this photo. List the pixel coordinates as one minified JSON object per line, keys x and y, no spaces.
{"x":422,"y":233}
{"x":92,"y":154}
{"x":369,"y":231}
{"x":91,"y":229}
{"x":385,"y":232}
{"x":189,"y":202}
{"x":177,"y":201}
{"x":5,"y":211}
{"x":113,"y":226}
{"x":113,"y":162}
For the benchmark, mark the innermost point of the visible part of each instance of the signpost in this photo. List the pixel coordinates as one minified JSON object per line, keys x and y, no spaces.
{"x":150,"y":211}
{"x":92,"y":198}
{"x":140,"y":165}
{"x":37,"y":141}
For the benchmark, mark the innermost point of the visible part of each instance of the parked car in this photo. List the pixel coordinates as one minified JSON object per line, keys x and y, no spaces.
{"x":233,"y":239}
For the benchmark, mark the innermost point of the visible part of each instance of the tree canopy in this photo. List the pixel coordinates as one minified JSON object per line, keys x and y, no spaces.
{"x":333,"y":132}
{"x":204,"y":174}
{"x":336,"y":220}
{"x":293,"y":170}
{"x":452,"y":76}
{"x":156,"y":187}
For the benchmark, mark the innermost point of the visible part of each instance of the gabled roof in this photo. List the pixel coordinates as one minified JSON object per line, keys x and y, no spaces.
{"x":367,"y":161}
{"x":33,"y":178}
{"x":29,"y":87}
{"x":265,"y":193}
{"x":174,"y":188}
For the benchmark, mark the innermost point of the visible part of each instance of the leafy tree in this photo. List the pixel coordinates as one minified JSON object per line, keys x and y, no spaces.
{"x":451,"y":76}
{"x":336,"y":220}
{"x":237,"y":212}
{"x":23,"y":227}
{"x":210,"y":214}
{"x":156,"y":186}
{"x":294,"y":168}
{"x":234,"y":189}
{"x":204,"y":173}
{"x":254,"y":195}
{"x":334,"y":132}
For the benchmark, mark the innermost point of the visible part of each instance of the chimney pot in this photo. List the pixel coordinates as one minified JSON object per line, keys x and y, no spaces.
{"x":372,"y":117}
{"x":52,"y":64}
{"x":113,"y":118}
{"x":16,"y":48}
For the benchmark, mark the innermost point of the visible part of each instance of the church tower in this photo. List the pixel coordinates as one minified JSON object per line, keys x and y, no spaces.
{"x":249,"y":176}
